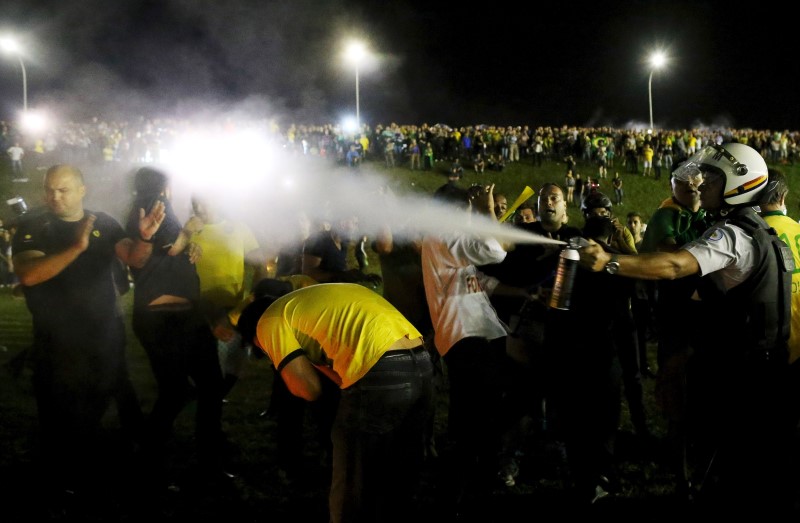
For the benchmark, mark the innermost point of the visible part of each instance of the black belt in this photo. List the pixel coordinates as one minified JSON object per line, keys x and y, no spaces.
{"x":402,"y":353}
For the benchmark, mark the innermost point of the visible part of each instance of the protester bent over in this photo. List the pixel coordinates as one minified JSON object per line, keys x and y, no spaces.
{"x":377,"y":357}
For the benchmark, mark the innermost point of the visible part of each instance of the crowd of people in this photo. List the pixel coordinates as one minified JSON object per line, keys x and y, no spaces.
{"x":416,"y":146}
{"x":472,"y":311}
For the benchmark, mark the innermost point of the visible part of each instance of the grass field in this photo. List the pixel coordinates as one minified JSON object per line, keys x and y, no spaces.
{"x":106,"y":184}
{"x":259,"y":493}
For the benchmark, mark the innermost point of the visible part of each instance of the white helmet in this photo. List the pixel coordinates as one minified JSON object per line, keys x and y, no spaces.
{"x":744,"y":169}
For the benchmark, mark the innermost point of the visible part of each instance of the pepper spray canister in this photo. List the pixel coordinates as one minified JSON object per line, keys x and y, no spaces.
{"x":565,"y":278}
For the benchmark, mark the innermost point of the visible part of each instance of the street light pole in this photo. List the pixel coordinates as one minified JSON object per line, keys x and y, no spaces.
{"x":358,"y":104}
{"x":355,"y":53}
{"x":650,"y":97}
{"x":657,"y":60}
{"x":24,"y":85}
{"x":11,"y":46}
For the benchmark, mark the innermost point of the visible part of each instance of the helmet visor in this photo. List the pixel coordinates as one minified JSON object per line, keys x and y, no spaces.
{"x":689,"y":172}
{"x":711,"y":158}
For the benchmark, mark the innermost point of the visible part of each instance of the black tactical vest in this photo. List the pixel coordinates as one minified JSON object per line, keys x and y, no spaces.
{"x":752,"y":320}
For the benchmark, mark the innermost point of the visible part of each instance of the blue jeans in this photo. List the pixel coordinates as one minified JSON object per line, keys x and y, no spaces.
{"x":378,"y":439}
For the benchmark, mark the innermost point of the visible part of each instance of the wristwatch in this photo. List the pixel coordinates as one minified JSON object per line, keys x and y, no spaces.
{"x":612,"y":267}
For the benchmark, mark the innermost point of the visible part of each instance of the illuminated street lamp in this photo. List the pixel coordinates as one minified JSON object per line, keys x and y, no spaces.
{"x":356,"y":51}
{"x":9,"y":45}
{"x":657,"y":60}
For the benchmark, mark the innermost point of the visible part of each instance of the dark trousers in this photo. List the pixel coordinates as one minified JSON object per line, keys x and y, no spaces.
{"x":181,"y":348}
{"x":77,"y":372}
{"x":584,"y":391}
{"x":475,"y":371}
{"x":742,"y":430}
{"x":630,"y":364}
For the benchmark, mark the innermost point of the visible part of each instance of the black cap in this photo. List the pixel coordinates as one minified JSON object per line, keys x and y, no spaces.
{"x":271,"y":287}
{"x":149,"y":182}
{"x":248,"y":321}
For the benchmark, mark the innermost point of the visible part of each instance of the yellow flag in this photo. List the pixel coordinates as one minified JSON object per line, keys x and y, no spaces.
{"x":526,"y":193}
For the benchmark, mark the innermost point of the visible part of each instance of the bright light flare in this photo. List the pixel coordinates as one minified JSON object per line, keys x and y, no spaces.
{"x":223,"y":162}
{"x":34,"y":122}
{"x":9,"y":45}
{"x":360,"y":56}
{"x":349,"y":125}
{"x":658,"y":59}
{"x":355,"y":51}
{"x":236,"y":166}
{"x":289,"y":183}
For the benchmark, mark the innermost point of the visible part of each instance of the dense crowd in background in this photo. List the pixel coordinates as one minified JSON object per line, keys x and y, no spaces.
{"x":144,"y":140}
{"x":476,"y":147}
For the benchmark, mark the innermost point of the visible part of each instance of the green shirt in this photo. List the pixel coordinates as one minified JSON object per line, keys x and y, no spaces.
{"x":672,"y":220}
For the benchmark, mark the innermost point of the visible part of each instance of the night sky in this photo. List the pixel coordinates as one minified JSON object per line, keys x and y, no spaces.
{"x":545,"y":63}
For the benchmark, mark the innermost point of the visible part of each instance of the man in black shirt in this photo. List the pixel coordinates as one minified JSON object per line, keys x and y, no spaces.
{"x":64,"y":258}
{"x":531,"y":266}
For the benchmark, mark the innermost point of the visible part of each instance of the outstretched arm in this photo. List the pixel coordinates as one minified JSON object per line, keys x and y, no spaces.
{"x":651,"y":266}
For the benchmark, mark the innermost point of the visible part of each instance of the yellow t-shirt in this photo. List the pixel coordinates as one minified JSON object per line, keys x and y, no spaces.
{"x":221,"y":268}
{"x":628,"y":245}
{"x":344,"y":325}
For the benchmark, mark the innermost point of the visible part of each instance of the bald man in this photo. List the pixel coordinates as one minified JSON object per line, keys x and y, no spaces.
{"x":64,"y":257}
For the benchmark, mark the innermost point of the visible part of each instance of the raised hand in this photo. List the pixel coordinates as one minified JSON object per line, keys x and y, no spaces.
{"x":83,"y":232}
{"x":194,"y":251}
{"x":193,"y":225}
{"x":150,"y":222}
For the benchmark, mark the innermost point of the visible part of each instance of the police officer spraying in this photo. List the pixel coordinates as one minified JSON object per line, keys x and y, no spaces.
{"x":740,"y":356}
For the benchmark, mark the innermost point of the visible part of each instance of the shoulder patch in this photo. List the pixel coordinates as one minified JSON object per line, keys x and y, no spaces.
{"x":714,"y":235}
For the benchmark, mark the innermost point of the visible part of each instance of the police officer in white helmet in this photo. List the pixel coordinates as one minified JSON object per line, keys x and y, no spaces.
{"x":737,"y":386}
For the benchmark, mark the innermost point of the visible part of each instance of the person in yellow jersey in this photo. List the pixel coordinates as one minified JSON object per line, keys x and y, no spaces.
{"x":231,"y":257}
{"x":356,"y":338}
{"x":773,"y":210}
